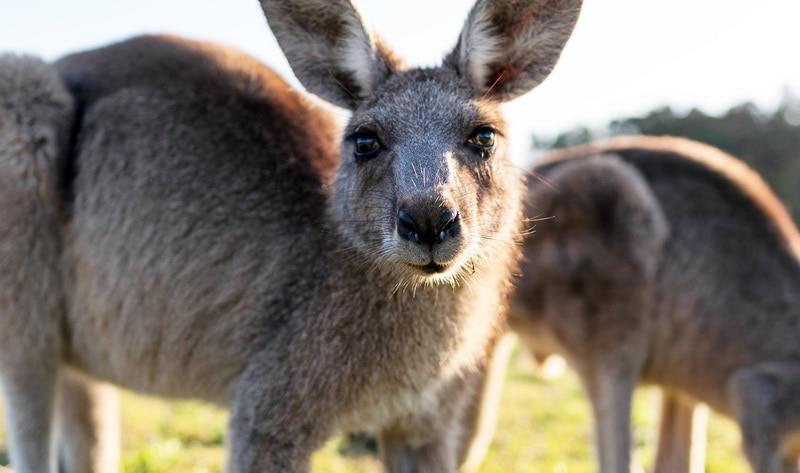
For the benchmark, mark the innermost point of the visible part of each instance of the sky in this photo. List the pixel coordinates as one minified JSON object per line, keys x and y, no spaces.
{"x":625,"y":57}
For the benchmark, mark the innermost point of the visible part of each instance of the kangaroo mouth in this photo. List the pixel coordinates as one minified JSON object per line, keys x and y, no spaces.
{"x":430,"y":268}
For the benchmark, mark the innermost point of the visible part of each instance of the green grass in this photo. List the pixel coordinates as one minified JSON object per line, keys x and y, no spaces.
{"x":544,"y":427}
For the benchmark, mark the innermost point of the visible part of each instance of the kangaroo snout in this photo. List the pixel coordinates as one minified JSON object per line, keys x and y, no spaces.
{"x":430,"y":233}
{"x":428,"y":229}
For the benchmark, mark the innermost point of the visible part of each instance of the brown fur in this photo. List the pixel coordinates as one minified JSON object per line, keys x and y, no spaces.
{"x":666,"y":262}
{"x":209,"y":243}
{"x":681,"y":435}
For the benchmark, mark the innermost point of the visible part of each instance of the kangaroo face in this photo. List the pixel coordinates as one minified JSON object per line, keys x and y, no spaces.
{"x":424,"y":176}
{"x":424,"y":189}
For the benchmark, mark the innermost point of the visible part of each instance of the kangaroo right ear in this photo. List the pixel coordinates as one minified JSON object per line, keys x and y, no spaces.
{"x":330,"y":49}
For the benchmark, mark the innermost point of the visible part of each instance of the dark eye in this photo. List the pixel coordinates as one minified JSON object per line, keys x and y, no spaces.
{"x":366,"y":145}
{"x":483,"y":138}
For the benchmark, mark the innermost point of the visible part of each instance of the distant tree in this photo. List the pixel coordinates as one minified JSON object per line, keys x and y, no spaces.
{"x":767,"y":141}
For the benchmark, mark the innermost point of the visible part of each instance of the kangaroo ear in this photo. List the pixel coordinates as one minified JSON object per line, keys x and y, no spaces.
{"x":330,"y":50}
{"x":508,"y":47}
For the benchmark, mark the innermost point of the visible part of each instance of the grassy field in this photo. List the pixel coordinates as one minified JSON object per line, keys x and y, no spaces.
{"x":544,"y":427}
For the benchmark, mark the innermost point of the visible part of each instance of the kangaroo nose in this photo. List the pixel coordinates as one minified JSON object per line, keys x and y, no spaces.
{"x":429,"y":231}
{"x":407,"y":227}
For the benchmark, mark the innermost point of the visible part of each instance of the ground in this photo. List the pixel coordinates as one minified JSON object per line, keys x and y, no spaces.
{"x":544,"y":427}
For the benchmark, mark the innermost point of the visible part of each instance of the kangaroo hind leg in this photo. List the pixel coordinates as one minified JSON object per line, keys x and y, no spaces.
{"x":88,"y":426}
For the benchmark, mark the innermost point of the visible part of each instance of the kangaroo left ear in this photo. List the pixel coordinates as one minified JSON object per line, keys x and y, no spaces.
{"x":508,"y":47}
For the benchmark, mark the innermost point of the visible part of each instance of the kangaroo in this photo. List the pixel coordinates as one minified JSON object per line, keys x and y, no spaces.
{"x":671,"y":263}
{"x":177,"y":220}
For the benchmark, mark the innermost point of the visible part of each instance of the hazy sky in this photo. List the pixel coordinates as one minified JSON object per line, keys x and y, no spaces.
{"x":626,"y":56}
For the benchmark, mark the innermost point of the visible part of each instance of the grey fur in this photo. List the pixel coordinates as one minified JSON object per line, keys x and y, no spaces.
{"x":206,"y":240}
{"x":35,"y":121}
{"x":667,"y":262}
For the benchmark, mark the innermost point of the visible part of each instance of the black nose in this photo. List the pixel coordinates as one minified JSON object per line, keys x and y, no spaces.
{"x":428,"y":231}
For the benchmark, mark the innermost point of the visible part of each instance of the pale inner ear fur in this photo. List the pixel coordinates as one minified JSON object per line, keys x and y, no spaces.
{"x":357,"y":56}
{"x":508,"y":47}
{"x":330,"y":50}
{"x":480,"y":46}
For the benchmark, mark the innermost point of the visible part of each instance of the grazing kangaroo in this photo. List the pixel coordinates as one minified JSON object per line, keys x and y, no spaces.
{"x":177,"y":220}
{"x":671,"y":263}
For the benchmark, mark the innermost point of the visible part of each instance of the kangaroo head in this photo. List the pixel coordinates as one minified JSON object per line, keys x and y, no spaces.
{"x":425,"y":187}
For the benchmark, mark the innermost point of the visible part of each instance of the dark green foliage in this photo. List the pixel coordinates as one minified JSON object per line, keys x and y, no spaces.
{"x":767,"y":141}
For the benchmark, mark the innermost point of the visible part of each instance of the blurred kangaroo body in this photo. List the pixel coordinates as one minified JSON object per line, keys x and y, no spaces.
{"x":671,"y":263}
{"x":180,"y":223}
